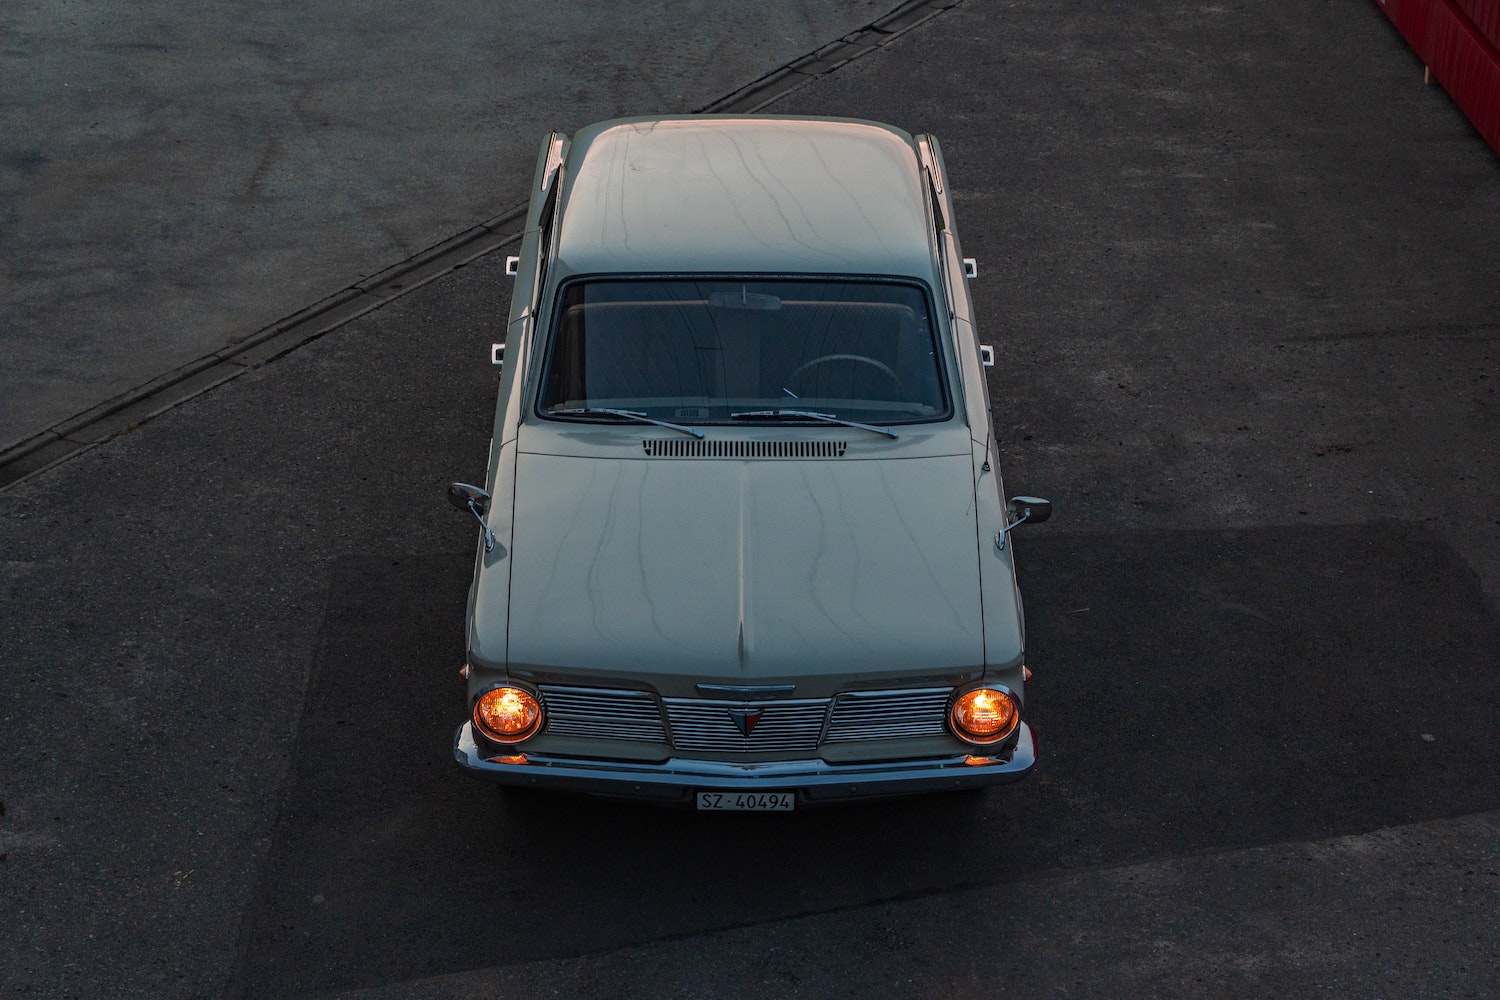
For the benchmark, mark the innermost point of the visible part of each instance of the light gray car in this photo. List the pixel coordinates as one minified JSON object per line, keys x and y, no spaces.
{"x":743,"y":538}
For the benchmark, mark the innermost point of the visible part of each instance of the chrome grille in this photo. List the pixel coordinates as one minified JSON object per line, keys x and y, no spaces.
{"x":783,"y":726}
{"x":707,"y":725}
{"x":709,"y":448}
{"x":882,"y":715}
{"x":602,"y":713}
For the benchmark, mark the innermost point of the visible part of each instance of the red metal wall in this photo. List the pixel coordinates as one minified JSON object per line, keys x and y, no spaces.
{"x":1486,"y":17}
{"x":1459,"y":40}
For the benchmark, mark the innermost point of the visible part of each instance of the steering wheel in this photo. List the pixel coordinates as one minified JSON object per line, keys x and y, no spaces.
{"x":880,"y":366}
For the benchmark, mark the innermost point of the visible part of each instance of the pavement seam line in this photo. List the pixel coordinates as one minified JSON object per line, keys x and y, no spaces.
{"x":40,"y":452}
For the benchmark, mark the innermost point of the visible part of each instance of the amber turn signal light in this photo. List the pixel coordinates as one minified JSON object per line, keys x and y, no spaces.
{"x":984,"y":716}
{"x":508,"y":714}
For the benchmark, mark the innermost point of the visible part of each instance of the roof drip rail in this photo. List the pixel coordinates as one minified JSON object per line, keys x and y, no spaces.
{"x":554,"y":159}
{"x":934,"y":178}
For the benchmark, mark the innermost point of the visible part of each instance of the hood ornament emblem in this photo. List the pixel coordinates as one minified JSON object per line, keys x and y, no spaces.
{"x":745,"y":719}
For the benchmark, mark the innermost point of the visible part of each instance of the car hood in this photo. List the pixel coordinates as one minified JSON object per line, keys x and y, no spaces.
{"x":673,"y":571}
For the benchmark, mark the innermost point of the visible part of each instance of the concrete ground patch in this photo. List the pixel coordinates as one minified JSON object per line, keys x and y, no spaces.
{"x":174,"y":179}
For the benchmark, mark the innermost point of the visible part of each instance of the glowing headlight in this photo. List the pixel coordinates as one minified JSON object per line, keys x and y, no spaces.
{"x":507,"y":714}
{"x":984,"y":716}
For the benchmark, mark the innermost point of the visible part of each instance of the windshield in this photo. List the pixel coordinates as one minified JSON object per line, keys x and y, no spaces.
{"x":702,"y":350}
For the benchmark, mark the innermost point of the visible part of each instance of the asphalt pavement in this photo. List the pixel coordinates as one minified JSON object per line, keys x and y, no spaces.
{"x":177,"y":181}
{"x":1240,"y":268}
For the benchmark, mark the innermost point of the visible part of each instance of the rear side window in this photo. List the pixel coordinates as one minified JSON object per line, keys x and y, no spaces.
{"x":698,"y":350}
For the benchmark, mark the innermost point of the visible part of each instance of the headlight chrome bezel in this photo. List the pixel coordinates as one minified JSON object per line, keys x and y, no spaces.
{"x":982,"y":706}
{"x":508,"y":714}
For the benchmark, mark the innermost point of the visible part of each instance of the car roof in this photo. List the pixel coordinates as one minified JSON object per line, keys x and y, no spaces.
{"x":709,"y":194}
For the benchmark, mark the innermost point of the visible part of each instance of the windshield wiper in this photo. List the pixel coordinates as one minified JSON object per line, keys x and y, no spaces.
{"x":589,"y":411}
{"x":827,"y":418}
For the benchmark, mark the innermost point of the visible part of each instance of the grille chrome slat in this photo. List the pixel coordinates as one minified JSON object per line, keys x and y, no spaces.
{"x":783,"y":726}
{"x":709,"y":448}
{"x":601,"y":713}
{"x":708,"y":726}
{"x":875,"y":715}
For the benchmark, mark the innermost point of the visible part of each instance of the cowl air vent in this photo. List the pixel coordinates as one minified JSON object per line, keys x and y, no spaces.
{"x":694,"y":448}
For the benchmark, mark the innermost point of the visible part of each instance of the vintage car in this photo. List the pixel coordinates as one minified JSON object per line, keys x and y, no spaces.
{"x":743,"y":538}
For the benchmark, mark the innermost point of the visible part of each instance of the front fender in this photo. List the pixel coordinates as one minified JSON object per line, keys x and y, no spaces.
{"x":1004,"y":624}
{"x":488,"y":615}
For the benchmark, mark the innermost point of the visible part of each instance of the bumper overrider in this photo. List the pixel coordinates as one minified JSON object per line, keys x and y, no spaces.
{"x":676,"y":780}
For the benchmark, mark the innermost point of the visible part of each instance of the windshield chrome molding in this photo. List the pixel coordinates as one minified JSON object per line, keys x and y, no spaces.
{"x":544,"y":320}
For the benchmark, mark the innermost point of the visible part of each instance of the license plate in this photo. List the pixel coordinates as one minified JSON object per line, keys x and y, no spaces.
{"x":747,"y":801}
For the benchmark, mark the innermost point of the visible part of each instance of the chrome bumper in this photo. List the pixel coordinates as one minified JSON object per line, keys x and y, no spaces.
{"x":676,"y":780}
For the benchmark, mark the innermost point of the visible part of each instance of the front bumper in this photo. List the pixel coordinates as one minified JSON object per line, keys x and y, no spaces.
{"x":815,"y":781}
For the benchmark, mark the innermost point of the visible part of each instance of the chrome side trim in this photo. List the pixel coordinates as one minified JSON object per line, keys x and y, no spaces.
{"x":554,"y":161}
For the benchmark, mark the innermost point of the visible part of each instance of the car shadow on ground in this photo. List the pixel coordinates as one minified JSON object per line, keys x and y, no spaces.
{"x":1193,"y":691}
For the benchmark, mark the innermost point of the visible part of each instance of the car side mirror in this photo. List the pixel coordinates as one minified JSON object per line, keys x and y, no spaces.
{"x":1023,"y":510}
{"x":461,"y":495}
{"x":1032,"y":509}
{"x":477,"y":502}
